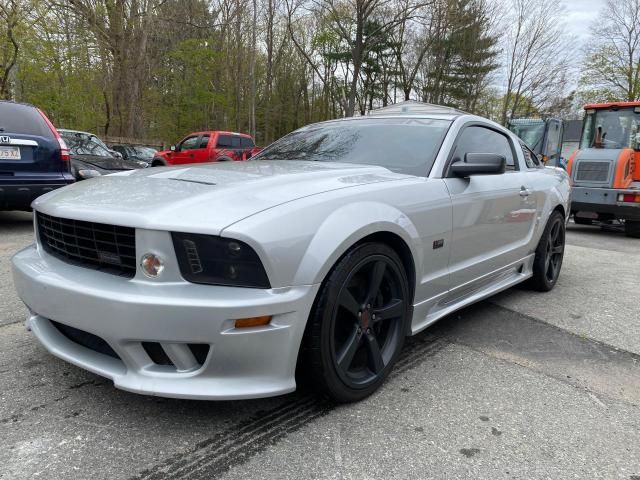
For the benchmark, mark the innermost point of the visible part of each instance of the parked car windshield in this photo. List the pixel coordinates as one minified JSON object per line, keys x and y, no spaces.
{"x":403,"y":145}
{"x":144,"y":152}
{"x":85,"y":144}
{"x":611,"y":129}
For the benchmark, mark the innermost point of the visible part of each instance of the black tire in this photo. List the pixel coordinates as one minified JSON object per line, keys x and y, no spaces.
{"x":158,"y":162}
{"x":632,"y":228}
{"x":549,"y":254}
{"x":582,"y":221}
{"x":224,"y":159}
{"x":350,"y":351}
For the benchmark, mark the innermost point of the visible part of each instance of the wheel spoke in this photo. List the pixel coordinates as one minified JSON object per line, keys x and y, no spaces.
{"x":551,"y":270}
{"x":375,"y":280}
{"x":558,"y":249}
{"x":393,"y":309}
{"x":345,"y":357}
{"x":376,"y":364}
{"x":348,"y":302}
{"x":554,"y":233}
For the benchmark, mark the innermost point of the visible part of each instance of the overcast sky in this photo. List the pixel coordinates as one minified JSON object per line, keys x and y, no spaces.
{"x":579,"y":15}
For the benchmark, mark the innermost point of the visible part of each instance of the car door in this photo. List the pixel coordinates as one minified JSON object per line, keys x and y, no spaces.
{"x":185,"y":150}
{"x":493,"y":215}
{"x":201,"y":154}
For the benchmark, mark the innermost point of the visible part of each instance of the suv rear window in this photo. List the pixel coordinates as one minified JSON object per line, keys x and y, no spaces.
{"x":246,"y":142}
{"x":22,"y":119}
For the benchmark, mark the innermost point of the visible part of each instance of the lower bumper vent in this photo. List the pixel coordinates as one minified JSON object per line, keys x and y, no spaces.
{"x":187,"y":355}
{"x":85,"y":339}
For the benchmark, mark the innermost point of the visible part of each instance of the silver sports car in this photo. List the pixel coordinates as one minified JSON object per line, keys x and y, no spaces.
{"x":332,"y":245}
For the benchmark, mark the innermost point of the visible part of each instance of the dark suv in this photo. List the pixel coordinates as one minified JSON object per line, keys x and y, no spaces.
{"x":33,"y":158}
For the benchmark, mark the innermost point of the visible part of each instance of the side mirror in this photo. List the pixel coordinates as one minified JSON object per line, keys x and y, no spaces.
{"x":479,"y":164}
{"x":116,"y":154}
{"x":174,"y":148}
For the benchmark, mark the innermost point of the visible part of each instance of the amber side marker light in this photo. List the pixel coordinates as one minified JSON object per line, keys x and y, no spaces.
{"x":253,"y":322}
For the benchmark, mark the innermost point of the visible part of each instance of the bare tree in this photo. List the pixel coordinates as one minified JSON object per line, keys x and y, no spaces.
{"x":536,"y":56}
{"x":11,"y":13}
{"x":613,"y":62}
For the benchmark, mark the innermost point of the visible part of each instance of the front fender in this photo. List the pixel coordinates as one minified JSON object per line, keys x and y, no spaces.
{"x":345,"y":227}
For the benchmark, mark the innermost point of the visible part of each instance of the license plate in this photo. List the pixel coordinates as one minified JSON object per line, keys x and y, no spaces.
{"x":9,"y":153}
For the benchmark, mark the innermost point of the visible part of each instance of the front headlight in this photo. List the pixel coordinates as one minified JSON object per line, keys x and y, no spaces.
{"x":215,"y":260}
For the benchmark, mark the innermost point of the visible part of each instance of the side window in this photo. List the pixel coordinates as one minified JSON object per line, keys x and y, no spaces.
{"x":530,"y":158}
{"x":190,"y":143}
{"x":204,"y":141}
{"x":224,"y":141}
{"x":478,"y":139}
{"x":246,"y":142}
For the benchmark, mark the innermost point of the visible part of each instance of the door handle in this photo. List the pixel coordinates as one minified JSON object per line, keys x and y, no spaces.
{"x":524,"y":192}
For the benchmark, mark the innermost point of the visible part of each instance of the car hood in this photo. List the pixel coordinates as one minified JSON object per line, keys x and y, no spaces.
{"x":104,"y":163}
{"x":203,"y":198}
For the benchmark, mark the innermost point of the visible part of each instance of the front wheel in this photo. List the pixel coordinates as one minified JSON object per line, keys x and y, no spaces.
{"x":359,"y":322}
{"x":632,"y":228}
{"x":549,"y":254}
{"x":158,"y":162}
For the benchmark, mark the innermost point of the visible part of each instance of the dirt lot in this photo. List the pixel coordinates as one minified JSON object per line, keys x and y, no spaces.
{"x":526,"y":385}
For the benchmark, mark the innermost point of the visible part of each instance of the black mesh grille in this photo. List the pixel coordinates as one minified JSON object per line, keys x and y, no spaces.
{"x":109,"y":248}
{"x":86,"y":339}
{"x":593,"y":171}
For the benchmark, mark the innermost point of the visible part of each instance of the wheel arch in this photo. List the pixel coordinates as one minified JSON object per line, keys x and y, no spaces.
{"x":367,"y":221}
{"x":387,"y":237}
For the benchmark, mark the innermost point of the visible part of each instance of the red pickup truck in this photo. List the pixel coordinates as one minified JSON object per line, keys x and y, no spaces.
{"x":211,"y":146}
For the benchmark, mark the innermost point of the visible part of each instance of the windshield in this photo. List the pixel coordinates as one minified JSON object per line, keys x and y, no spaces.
{"x":85,"y":144}
{"x":144,"y":152}
{"x":611,"y":129}
{"x":530,"y":133}
{"x":403,"y":145}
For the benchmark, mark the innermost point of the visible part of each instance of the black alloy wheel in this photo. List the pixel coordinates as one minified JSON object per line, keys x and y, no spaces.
{"x":554,"y":250}
{"x":549,"y":254}
{"x":359,"y":322}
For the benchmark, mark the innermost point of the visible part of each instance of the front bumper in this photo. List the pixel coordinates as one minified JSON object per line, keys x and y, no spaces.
{"x":604,"y":202}
{"x":241,"y":363}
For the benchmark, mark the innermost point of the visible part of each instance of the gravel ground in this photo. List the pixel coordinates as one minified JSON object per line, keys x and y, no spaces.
{"x":523,"y":386}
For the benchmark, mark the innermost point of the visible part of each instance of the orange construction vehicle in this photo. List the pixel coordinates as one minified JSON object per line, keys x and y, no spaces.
{"x":605,"y":170}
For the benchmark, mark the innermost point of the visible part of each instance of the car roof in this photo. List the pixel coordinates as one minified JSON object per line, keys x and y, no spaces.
{"x":413,"y":107}
{"x":223,"y":132}
{"x":24,"y":104}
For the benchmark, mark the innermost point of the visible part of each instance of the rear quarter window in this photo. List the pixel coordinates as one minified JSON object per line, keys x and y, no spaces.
{"x":22,"y":119}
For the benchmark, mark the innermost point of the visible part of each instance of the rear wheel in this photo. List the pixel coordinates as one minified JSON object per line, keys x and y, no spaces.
{"x":549,"y":254}
{"x":632,"y":228}
{"x":359,"y":322}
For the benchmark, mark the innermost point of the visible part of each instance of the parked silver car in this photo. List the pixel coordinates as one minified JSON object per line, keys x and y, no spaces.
{"x":332,"y":245}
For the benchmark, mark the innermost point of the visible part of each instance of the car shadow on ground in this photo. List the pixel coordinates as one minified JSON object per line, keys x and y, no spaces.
{"x":15,"y":222}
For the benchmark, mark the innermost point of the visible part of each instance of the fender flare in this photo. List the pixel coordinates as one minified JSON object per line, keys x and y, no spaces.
{"x":364,"y":219}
